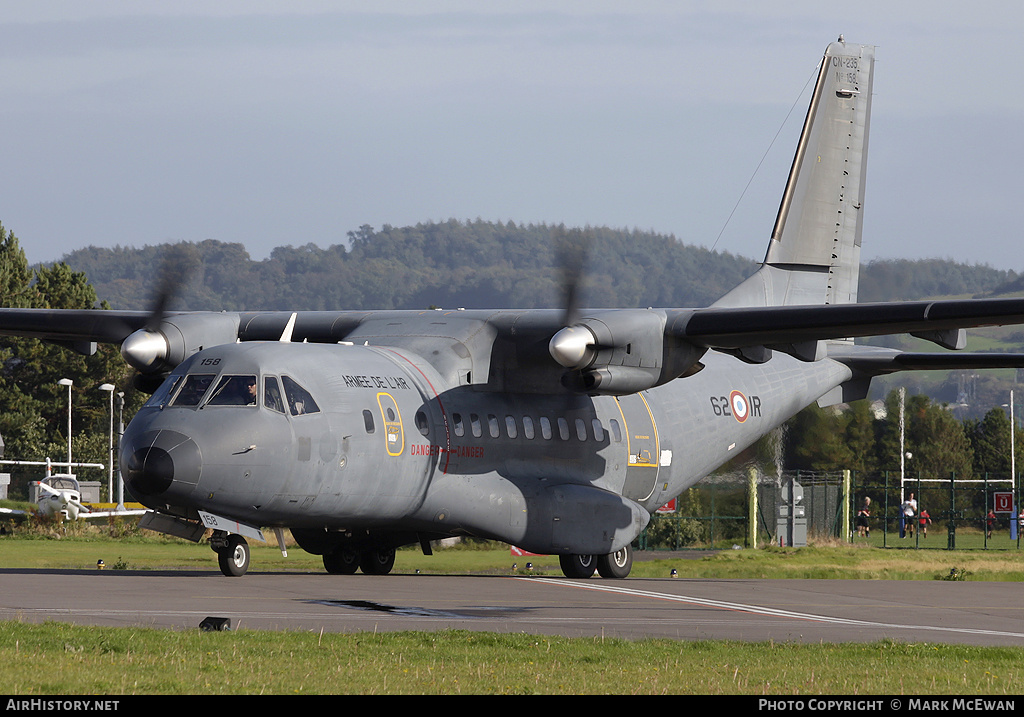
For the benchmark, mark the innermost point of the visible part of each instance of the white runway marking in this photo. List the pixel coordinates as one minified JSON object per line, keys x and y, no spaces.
{"x":768,"y":611}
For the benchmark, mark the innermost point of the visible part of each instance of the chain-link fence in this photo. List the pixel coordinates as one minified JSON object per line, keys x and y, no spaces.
{"x":746,"y":509}
{"x":939,"y":512}
{"x":751,"y":509}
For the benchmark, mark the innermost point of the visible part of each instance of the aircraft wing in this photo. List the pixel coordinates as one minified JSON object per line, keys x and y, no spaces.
{"x":732,"y":328}
{"x":620,"y":351}
{"x":74,"y":328}
{"x":712,"y":327}
{"x":111,"y":514}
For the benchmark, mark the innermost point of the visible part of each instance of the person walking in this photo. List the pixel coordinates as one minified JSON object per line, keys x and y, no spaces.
{"x":909,"y":509}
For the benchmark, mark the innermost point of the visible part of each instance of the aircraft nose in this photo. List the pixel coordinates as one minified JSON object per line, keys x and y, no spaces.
{"x":161,"y":463}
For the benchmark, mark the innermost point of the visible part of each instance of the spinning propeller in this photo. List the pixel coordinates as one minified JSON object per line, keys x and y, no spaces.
{"x":148,"y":349}
{"x":574,"y":346}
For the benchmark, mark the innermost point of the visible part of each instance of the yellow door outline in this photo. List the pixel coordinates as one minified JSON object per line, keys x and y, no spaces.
{"x":643,"y":465}
{"x":643,"y":457}
{"x":394,"y":433}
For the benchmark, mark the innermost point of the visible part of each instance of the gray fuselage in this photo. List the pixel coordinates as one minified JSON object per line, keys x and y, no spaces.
{"x":391,"y":447}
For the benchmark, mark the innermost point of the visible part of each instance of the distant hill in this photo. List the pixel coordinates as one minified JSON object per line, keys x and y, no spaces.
{"x":448,"y":264}
{"x":478,"y":265}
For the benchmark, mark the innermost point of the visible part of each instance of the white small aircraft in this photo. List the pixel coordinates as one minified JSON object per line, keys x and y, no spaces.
{"x":60,"y":495}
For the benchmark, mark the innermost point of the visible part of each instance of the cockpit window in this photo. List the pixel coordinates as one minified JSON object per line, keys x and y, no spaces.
{"x":272,"y":395}
{"x":299,"y":400}
{"x":234,"y":391}
{"x":166,"y":389}
{"x":193,"y":389}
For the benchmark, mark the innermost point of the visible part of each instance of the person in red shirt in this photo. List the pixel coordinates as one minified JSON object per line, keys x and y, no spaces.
{"x":924,"y":520}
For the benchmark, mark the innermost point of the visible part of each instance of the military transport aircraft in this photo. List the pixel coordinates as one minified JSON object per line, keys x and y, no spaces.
{"x":558,"y":431}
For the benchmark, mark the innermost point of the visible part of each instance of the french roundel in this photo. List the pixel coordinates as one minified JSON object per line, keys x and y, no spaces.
{"x":739,"y":405}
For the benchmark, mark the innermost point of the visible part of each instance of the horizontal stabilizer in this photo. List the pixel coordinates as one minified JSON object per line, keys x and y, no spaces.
{"x":878,"y":361}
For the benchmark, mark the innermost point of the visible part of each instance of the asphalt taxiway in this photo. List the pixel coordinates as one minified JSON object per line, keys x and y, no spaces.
{"x":750,"y":610}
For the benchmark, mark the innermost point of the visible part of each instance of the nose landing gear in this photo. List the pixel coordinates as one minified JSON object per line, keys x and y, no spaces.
{"x":232,"y":553}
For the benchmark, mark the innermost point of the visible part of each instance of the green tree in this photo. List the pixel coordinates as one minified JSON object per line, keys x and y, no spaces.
{"x":859,"y":433}
{"x":33,"y":406}
{"x":817,"y":441}
{"x":937,"y":440}
{"x":990,"y":441}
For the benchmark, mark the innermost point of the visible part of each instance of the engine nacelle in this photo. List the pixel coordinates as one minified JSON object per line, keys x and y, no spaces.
{"x":179,"y":336}
{"x":621,"y":352}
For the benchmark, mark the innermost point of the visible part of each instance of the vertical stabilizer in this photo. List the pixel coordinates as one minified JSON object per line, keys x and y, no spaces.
{"x":814,"y":253}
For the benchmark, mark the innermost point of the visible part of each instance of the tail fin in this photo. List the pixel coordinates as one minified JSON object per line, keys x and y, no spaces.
{"x":814,"y":253}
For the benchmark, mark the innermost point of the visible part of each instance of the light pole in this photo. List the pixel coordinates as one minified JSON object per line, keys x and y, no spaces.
{"x":1014,"y":516}
{"x":109,"y":388}
{"x":120,"y":432}
{"x":68,"y":382}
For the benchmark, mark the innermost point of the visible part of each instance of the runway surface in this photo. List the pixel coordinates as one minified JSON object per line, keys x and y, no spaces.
{"x":749,"y":610}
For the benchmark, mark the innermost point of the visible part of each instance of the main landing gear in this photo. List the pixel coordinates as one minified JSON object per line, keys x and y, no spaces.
{"x":345,"y":561}
{"x":613,"y":565}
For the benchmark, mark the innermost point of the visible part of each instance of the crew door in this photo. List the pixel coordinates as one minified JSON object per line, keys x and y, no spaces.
{"x":643,"y":447}
{"x":394,"y":433}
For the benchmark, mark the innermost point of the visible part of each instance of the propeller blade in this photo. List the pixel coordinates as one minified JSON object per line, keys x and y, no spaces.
{"x":571,"y":249}
{"x":177,"y":263}
{"x":573,"y":345}
{"x":146,"y":349}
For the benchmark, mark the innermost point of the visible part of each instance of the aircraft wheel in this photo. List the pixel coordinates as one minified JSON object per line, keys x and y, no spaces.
{"x":234,"y":557}
{"x":377,"y":561}
{"x":577,"y":566}
{"x":617,"y":564}
{"x":341,"y":562}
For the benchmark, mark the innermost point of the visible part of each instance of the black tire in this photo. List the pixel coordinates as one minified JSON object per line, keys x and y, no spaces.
{"x":377,"y":561}
{"x":341,"y":562}
{"x":234,"y":558}
{"x":615,"y":565}
{"x":577,"y":566}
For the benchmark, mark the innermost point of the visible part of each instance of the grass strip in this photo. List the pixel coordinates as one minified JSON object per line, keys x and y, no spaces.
{"x":56,"y":659}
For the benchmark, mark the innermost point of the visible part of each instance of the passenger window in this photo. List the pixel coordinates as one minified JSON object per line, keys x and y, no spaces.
{"x":234,"y":391}
{"x":545,"y":428}
{"x":421,"y":422}
{"x":474,"y":424}
{"x":616,"y":431}
{"x":598,"y":429}
{"x":563,"y":429}
{"x":193,"y":389}
{"x":492,"y":425}
{"x":528,"y":427}
{"x":368,"y":421}
{"x":581,"y":429}
{"x":272,"y":395}
{"x":510,"y":427}
{"x":299,"y":399}
{"x":460,"y":427}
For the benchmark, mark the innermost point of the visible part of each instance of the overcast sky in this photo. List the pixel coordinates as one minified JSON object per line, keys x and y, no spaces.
{"x":273,"y":123}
